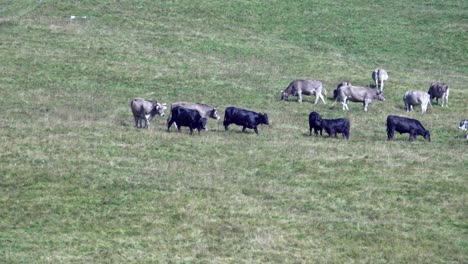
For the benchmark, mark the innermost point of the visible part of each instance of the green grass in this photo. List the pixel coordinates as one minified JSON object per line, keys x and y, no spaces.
{"x":78,"y":183}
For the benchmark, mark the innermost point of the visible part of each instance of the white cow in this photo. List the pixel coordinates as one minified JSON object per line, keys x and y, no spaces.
{"x":379,"y":76}
{"x":415,"y":97}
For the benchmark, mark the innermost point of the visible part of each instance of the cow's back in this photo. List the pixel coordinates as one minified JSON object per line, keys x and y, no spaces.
{"x":185,"y":116}
{"x":201,"y":108}
{"x":241,"y":117}
{"x":437,"y":89}
{"x":356,"y":93}
{"x":308,"y":86}
{"x":416,"y":97}
{"x":141,"y":106}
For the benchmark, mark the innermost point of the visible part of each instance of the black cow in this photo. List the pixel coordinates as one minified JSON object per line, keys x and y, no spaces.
{"x":406,"y":125}
{"x":334,"y":126}
{"x":314,"y":122}
{"x":186,"y":117}
{"x":244,"y":118}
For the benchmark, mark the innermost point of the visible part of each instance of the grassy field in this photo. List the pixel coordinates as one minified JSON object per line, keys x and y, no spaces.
{"x":78,"y":183}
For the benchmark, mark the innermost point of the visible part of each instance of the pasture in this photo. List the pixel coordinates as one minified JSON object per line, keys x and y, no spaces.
{"x":78,"y":183}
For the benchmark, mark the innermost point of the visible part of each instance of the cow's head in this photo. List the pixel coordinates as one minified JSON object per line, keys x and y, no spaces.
{"x":427,"y":136}
{"x":284,"y":95}
{"x":318,"y":122}
{"x":202,"y":123}
{"x":264,"y":119}
{"x":343,"y":83}
{"x":214,"y":113}
{"x":159,"y":108}
{"x":463,"y":125}
{"x":379,"y":96}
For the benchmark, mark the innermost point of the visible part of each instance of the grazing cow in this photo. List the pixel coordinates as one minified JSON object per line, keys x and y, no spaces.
{"x":203,"y":109}
{"x":304,"y":87}
{"x":412,"y":98}
{"x":334,"y":126}
{"x":379,"y":76}
{"x":439,"y":90}
{"x":314,"y":122}
{"x":144,"y":109}
{"x":406,"y":125}
{"x":244,"y":118}
{"x":464,"y":126}
{"x":186,"y":117}
{"x":365,"y":95}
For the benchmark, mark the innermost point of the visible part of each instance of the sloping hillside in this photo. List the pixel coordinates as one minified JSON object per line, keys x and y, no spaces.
{"x":78,"y":183}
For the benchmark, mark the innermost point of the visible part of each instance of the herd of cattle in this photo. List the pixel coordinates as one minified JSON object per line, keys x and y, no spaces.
{"x":195,"y":115}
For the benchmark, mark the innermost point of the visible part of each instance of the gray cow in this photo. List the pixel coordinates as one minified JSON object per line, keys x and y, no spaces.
{"x":415,"y":97}
{"x":345,"y":92}
{"x":204,"y":110}
{"x":439,"y":90}
{"x":304,"y":87}
{"x":145,"y":109}
{"x":379,"y":76}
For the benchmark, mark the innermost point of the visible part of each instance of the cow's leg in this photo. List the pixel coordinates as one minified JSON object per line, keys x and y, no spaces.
{"x":390,"y":133}
{"x":323,"y":99}
{"x":243,"y":129}
{"x":256,"y":130}
{"x":365,"y":105}
{"x":381,"y":85}
{"x":345,"y":105}
{"x":316,"y":99}
{"x":135,"y":118}
{"x":147,"y":121}
{"x":191,"y":130}
{"x":226,"y":124}
{"x":169,"y":124}
{"x":299,"y":97}
{"x":141,"y":122}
